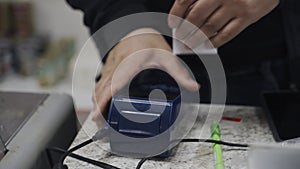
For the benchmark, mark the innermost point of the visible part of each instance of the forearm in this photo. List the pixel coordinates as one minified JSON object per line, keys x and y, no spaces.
{"x":98,"y":13}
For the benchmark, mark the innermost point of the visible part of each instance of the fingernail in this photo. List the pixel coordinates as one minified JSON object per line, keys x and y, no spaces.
{"x":198,"y":85}
{"x":195,"y":84}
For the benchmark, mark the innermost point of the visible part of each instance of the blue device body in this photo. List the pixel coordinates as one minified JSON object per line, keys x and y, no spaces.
{"x":163,"y":114}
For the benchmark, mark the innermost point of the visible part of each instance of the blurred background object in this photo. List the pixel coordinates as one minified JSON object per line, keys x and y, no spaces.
{"x":4,"y":19}
{"x":21,"y":46}
{"x":22,"y":19}
{"x":5,"y":56}
{"x":39,"y":44}
{"x":53,"y":65}
{"x":27,"y":51}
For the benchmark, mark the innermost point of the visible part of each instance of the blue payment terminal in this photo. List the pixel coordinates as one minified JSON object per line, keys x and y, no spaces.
{"x":139,"y":117}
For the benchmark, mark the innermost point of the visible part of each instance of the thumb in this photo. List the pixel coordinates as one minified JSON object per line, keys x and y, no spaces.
{"x":176,"y":69}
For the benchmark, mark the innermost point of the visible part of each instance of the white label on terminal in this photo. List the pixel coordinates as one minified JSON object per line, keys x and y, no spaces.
{"x":204,"y":48}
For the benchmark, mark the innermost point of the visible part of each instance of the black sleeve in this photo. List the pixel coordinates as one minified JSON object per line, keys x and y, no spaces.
{"x":98,"y":13}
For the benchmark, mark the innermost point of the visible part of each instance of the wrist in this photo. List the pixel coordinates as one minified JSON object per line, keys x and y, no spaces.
{"x":141,"y":31}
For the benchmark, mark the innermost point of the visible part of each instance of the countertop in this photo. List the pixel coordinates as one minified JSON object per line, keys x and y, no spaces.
{"x":252,"y":129}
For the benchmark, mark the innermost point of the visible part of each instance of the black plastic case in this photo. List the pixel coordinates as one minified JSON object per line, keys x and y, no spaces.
{"x":283,"y":113}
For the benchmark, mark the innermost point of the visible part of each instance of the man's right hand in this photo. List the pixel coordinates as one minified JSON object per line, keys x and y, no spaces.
{"x":133,"y":44}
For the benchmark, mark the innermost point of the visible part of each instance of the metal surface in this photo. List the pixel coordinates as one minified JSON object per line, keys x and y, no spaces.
{"x":2,"y":149}
{"x":45,"y":123}
{"x":15,"y":110}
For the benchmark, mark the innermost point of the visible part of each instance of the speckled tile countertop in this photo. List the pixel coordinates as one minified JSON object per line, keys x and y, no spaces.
{"x":252,"y":129}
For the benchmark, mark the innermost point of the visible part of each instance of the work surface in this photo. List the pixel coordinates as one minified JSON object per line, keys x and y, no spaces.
{"x":252,"y":129}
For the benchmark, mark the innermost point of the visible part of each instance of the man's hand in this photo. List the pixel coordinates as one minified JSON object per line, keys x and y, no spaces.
{"x":143,"y":45}
{"x":219,"y":20}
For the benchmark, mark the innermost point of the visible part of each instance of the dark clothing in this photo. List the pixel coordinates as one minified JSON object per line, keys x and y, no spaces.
{"x":261,"y":41}
{"x":249,"y":59}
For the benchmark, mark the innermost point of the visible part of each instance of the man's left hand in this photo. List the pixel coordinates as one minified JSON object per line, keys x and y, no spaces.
{"x":219,"y":20}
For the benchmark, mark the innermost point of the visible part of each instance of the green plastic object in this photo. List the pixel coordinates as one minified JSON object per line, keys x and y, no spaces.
{"x":217,"y":148}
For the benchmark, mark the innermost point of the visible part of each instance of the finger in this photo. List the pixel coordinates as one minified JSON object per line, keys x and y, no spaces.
{"x":216,"y":22}
{"x":231,"y":30}
{"x":202,"y":10}
{"x":101,"y":91}
{"x":108,"y":71}
{"x":196,"y":18}
{"x":102,"y":82}
{"x":178,"y":10}
{"x":196,"y":39}
{"x":125,"y":73}
{"x":102,"y":99}
{"x":99,"y":120}
{"x":180,"y":74}
{"x":185,"y":30}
